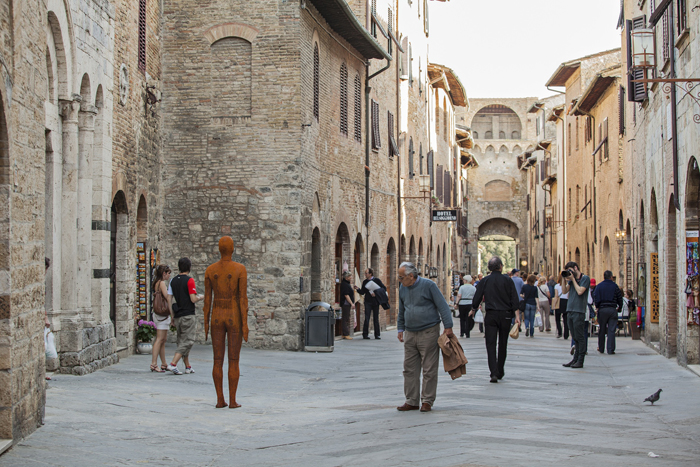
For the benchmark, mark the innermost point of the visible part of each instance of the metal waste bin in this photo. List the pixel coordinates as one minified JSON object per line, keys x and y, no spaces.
{"x":319,"y":322}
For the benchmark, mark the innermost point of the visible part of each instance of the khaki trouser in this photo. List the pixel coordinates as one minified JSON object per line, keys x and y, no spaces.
{"x":421,"y":350}
{"x":544,"y":313}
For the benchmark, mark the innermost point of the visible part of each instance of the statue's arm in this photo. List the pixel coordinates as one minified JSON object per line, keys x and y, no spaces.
{"x":207,"y":303}
{"x":243,"y":301}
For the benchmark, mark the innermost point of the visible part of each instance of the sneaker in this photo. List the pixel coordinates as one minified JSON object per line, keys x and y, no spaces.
{"x":174,"y":369}
{"x":189,"y":371}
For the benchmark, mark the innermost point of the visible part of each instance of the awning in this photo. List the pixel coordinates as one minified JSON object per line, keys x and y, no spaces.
{"x":454,"y":86}
{"x":464,"y":137}
{"x":536,"y":107}
{"x":343,"y":21}
{"x":556,"y":113}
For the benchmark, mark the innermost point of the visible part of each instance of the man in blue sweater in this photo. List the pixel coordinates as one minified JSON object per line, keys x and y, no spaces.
{"x":421,"y":308}
{"x":608,"y":300}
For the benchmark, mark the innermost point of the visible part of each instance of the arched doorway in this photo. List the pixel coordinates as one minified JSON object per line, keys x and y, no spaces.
{"x":578,"y":257}
{"x":497,"y":238}
{"x":671,"y":308}
{"x":421,"y":259}
{"x":391,"y":282}
{"x":342,"y":263}
{"x":402,"y":248}
{"x":692,"y":224}
{"x":120,"y":271}
{"x":412,"y":250}
{"x":316,"y":293}
{"x":374,"y":260}
{"x":142,"y":240}
{"x":607,"y":262}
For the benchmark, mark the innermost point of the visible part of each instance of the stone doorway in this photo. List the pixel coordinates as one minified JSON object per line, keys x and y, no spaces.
{"x":358,"y":277}
{"x":692,"y":223}
{"x":120,"y":272}
{"x":342,"y":262}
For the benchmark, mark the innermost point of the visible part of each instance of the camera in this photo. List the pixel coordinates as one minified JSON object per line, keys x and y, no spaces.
{"x":565,"y":273}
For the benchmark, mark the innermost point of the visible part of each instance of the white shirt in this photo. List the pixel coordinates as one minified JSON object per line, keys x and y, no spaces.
{"x":466,"y":293}
{"x":557,"y":288}
{"x":540,"y":293}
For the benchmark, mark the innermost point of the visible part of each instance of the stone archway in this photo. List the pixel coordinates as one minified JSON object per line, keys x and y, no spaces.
{"x":497,"y":237}
{"x":692,"y":223}
{"x":499,"y":226}
{"x":121,"y":297}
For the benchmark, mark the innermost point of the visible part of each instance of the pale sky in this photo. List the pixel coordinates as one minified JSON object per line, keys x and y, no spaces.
{"x":510,"y":48}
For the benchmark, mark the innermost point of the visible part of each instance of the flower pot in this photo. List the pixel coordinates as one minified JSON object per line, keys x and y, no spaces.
{"x":635,"y":332}
{"x":144,"y":348}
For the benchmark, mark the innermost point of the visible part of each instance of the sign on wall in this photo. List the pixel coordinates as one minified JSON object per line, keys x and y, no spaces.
{"x":445,"y":215}
{"x":654,"y":288}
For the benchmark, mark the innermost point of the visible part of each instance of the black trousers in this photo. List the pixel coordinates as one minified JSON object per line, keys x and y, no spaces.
{"x":371,"y":309}
{"x":559,"y":314}
{"x":497,"y":324}
{"x":577,"y":324}
{"x":466,"y":323}
{"x":607,"y":322}
{"x":345,"y":322}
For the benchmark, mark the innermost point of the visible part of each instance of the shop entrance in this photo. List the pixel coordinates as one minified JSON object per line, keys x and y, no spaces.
{"x":342,"y":263}
{"x":119,"y":269}
{"x":358,"y":278}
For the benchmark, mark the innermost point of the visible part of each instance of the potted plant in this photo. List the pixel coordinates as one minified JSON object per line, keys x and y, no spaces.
{"x":144,"y":335}
{"x":635,"y":332}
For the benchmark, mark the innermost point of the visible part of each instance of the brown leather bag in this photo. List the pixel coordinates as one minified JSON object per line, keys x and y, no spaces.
{"x":160,"y":303}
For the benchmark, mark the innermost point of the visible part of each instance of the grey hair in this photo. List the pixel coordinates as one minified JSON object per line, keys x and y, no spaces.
{"x":410,"y":268}
{"x":495,"y":264}
{"x":467,"y":279}
{"x":347,"y":274}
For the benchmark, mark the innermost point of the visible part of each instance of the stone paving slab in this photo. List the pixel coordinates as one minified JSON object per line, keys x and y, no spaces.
{"x":339,"y":409}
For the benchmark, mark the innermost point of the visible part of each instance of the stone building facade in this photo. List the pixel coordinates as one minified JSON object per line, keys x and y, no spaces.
{"x":134,"y":195}
{"x":592,"y":185}
{"x":497,"y":189}
{"x":662,"y":200}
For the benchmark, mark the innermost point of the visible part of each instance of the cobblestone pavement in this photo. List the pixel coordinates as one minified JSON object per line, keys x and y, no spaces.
{"x":338,"y":409}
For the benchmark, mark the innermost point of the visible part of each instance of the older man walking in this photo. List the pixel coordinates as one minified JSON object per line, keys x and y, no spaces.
{"x":498,"y":291}
{"x":421,"y":308}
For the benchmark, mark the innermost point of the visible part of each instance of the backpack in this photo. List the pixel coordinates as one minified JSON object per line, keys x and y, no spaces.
{"x":160,"y":303}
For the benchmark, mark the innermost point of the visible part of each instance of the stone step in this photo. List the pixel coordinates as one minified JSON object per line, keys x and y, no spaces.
{"x":5,"y":444}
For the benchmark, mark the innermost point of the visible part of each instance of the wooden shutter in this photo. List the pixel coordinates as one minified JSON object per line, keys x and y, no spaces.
{"x":447,"y":193}
{"x":527,"y":200}
{"x":420,"y":159}
{"x":344,"y":99}
{"x":142,"y":35}
{"x":439,"y":182}
{"x":317,"y":81}
{"x":682,"y":14}
{"x":358,"y":109}
{"x":606,"y":145}
{"x":431,"y":169}
{"x":543,"y":171}
{"x":637,"y":91}
{"x":410,"y":158}
{"x":621,"y":110}
{"x":376,"y":138}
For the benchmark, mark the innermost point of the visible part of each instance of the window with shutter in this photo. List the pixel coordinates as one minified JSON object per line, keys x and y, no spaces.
{"x":390,"y":27}
{"x":600,"y":139}
{"x":527,"y":201}
{"x":585,"y":200}
{"x":420,"y":158}
{"x":621,"y":110}
{"x":447,"y":188}
{"x":344,"y":99}
{"x":358,"y":109}
{"x":606,"y":145}
{"x":682,"y":14}
{"x":372,"y":22}
{"x":376,"y":139}
{"x":543,"y":171}
{"x":569,"y":206}
{"x":430,"y":169}
{"x":439,"y":181}
{"x":577,"y":133}
{"x":142,"y":35}
{"x":637,"y":91}
{"x":317,"y":80}
{"x":393,"y":147}
{"x":666,"y":47}
{"x":410,"y":65}
{"x":410,"y":157}
{"x":568,"y":139}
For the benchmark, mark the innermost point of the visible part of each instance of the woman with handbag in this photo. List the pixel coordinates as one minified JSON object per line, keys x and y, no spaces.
{"x":543,"y":304}
{"x":161,"y":300}
{"x":464,"y":301}
{"x":529,"y":294}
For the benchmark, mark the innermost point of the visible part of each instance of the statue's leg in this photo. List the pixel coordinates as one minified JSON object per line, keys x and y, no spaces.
{"x":218,"y":339}
{"x":235,"y":340}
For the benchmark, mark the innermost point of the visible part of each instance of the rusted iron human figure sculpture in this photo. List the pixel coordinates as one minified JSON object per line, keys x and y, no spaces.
{"x":227,"y":281}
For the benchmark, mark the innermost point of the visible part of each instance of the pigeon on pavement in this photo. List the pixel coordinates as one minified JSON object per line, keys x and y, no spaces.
{"x":654,"y":397}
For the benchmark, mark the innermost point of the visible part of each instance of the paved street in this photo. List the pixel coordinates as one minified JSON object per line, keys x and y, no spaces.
{"x":339,"y":409}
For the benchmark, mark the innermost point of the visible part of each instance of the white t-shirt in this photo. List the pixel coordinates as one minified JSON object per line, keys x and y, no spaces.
{"x":557,"y":289}
{"x":466,"y":293}
{"x":541,"y":292}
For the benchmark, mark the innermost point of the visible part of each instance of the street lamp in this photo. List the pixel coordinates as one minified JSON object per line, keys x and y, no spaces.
{"x":621,"y":236}
{"x":643,"y":50}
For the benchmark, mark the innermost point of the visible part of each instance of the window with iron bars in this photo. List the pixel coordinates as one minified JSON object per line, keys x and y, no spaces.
{"x":142,"y":35}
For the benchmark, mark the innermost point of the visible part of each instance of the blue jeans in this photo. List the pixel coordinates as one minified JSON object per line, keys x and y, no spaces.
{"x":530,"y":311}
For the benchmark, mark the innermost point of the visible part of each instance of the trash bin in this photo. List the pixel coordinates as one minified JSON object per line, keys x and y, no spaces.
{"x":318,"y":325}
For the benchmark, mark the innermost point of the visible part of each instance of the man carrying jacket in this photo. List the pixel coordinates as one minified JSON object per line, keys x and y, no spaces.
{"x":498,"y":291}
{"x":371,"y":303}
{"x":421,"y":308}
{"x":608,"y":299}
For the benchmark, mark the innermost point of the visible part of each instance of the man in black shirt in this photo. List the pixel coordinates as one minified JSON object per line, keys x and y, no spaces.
{"x":498,"y":291}
{"x":371,"y":303}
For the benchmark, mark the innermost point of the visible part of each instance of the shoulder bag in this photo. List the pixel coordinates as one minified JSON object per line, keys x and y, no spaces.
{"x":160,"y":303}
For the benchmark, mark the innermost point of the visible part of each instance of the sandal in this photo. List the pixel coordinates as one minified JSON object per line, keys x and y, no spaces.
{"x":154,"y":368}
{"x":164,"y":368}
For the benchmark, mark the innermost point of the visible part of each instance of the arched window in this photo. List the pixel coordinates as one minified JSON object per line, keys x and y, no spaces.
{"x":515,"y":135}
{"x":420,"y":158}
{"x":317,"y":79}
{"x":488,"y":135}
{"x":358,"y":109}
{"x":501,"y":135}
{"x":231,"y":73}
{"x":475,"y":135}
{"x":344,"y":99}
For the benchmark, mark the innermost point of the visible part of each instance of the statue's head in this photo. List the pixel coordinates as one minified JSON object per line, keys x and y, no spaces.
{"x":226,"y":247}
